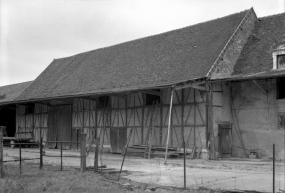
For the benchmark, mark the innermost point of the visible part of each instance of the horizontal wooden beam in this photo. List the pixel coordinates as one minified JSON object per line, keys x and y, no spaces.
{"x":123,"y":96}
{"x":199,"y":87}
{"x":89,"y":98}
{"x":195,"y":84}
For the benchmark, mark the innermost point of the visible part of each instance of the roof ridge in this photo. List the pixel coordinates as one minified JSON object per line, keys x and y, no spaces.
{"x":126,"y":42}
{"x":225,"y":47}
{"x":269,"y":16}
{"x":16,"y":83}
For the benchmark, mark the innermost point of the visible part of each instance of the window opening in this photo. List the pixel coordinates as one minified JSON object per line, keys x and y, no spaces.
{"x":281,"y":88}
{"x":281,"y":121}
{"x":29,"y":109}
{"x":281,"y":61}
{"x":104,"y":102}
{"x":152,"y":99}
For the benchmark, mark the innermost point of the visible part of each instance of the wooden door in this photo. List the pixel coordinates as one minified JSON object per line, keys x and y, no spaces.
{"x":118,"y":139}
{"x":63,"y":123}
{"x":52,"y":129}
{"x":225,"y":140}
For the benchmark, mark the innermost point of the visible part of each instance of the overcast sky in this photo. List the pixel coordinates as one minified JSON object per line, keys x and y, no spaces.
{"x":34,"y":32}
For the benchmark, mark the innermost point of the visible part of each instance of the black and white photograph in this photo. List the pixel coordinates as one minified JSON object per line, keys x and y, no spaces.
{"x":163,"y":96}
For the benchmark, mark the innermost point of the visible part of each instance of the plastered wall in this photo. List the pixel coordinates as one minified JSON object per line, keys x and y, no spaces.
{"x":256,"y":112}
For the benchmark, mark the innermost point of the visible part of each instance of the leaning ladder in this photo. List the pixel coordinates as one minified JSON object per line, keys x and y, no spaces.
{"x":150,"y":132}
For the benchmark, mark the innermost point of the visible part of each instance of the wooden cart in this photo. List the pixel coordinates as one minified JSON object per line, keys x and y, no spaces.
{"x":24,"y":136}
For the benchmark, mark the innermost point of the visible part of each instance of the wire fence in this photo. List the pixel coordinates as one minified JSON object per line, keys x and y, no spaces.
{"x":60,"y":158}
{"x":251,"y":173}
{"x":24,"y":158}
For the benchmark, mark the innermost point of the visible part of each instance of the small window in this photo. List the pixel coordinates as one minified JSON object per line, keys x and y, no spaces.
{"x":104,"y":102}
{"x":281,"y":88}
{"x":281,"y":121}
{"x":281,"y":61}
{"x":29,"y":110}
{"x":152,"y":99}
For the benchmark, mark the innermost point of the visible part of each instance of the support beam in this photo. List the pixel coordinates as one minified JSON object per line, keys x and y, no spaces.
{"x":199,"y":87}
{"x":169,"y":122}
{"x":190,"y":85}
{"x":260,"y":87}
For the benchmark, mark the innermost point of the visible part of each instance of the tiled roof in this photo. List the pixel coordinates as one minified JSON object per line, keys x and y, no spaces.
{"x":10,"y":92}
{"x":256,"y":56}
{"x":179,"y":55}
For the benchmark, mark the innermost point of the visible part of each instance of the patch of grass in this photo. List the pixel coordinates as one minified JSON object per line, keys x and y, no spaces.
{"x":72,"y":180}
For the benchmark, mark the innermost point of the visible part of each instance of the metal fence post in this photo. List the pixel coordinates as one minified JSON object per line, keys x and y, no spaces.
{"x":41,"y":153}
{"x":83,"y":152}
{"x":273,"y":168}
{"x":96,"y":154}
{"x":61,"y":156}
{"x":20,"y":151}
{"x":1,"y":156}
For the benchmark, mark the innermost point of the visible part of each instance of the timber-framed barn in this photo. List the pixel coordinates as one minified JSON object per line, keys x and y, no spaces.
{"x":217,"y":86}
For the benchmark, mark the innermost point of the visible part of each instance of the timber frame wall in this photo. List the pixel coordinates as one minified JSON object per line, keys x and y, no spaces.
{"x":127,"y":111}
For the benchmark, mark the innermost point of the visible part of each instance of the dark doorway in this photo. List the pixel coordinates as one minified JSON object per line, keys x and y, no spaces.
{"x":8,"y":119}
{"x":280,"y":88}
{"x":118,"y":138}
{"x":225,"y":139}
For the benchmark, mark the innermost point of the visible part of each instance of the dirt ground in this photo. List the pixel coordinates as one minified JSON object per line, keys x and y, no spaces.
{"x":231,"y":175}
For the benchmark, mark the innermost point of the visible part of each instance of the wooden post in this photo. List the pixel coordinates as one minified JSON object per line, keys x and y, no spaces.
{"x":182,"y":115}
{"x":210,"y":122}
{"x":41,"y":153}
{"x":71,"y":120}
{"x":184,"y":163}
{"x":169,"y":122}
{"x":20,"y":156}
{"x":161,"y":121}
{"x":207,"y":116}
{"x":96,"y":154}
{"x":273,"y":169}
{"x":125,"y":152}
{"x":194,"y":121}
{"x":61,"y":156}
{"x":142,"y":120}
{"x":83,"y":152}
{"x":1,"y":156}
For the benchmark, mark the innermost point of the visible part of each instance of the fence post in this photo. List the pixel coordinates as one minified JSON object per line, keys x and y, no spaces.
{"x":184,"y":163}
{"x":1,"y":156}
{"x":96,"y":154}
{"x":61,"y":156}
{"x":20,"y":151}
{"x":41,"y":153}
{"x":83,"y":152}
{"x":273,"y":168}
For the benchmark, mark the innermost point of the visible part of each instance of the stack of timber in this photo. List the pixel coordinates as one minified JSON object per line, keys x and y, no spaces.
{"x":155,"y":151}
